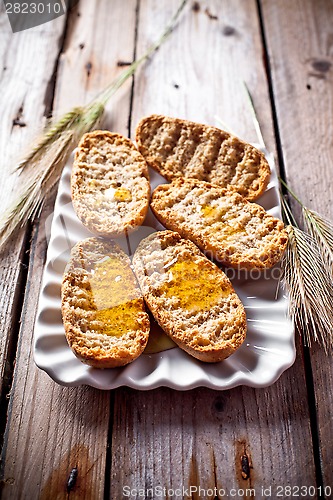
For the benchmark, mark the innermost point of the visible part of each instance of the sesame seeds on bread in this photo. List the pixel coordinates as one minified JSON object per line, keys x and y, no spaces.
{"x":103,"y":310}
{"x":232,"y":230}
{"x":180,"y":148}
{"x":110,"y":184}
{"x":189,"y":296}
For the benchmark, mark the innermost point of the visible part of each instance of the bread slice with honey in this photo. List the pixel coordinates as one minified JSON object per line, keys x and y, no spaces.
{"x":103,"y":310}
{"x":110,"y":184}
{"x":222,"y":223}
{"x":189,"y":296}
{"x":180,"y":148}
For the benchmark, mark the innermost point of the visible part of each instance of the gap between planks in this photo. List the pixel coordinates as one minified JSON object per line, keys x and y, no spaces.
{"x":176,"y":438}
{"x":306,"y":357}
{"x":22,"y":249}
{"x":64,"y":427}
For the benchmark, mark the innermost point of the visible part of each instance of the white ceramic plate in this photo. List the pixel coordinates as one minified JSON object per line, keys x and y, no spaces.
{"x":268,"y":350}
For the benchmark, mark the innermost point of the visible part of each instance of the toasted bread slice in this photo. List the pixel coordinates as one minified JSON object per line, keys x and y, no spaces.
{"x":189,"y":296}
{"x":222,"y":223}
{"x":179,"y":148}
{"x":102,"y":307}
{"x":110,"y":184}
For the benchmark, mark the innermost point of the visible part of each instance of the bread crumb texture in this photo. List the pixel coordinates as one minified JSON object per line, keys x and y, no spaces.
{"x":110,"y":184}
{"x":222,"y":223}
{"x":189,"y":296}
{"x":103,"y":310}
{"x":180,"y":148}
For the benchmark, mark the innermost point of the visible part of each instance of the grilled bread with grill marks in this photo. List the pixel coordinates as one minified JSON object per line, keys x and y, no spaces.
{"x":222,"y":223}
{"x":180,"y":148}
{"x":110,"y":184}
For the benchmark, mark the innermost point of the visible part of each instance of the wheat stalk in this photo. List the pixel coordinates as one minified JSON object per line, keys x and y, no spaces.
{"x":310,"y":288}
{"x":52,"y":133}
{"x":309,"y":284}
{"x":307,"y":265}
{"x":307,"y":274}
{"x":320,"y":228}
{"x":42,"y":166}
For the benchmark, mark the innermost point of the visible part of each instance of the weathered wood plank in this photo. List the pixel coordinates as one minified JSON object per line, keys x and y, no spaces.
{"x":49,"y":430}
{"x":52,"y":429}
{"x":300,"y":45}
{"x":207,"y":438}
{"x":24,"y":87}
{"x":200,"y":438}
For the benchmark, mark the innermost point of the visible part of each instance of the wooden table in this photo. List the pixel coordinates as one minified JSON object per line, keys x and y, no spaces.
{"x":242,"y":438}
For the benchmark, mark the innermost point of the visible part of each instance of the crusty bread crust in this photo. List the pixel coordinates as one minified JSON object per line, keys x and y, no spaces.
{"x":180,"y":148}
{"x":222,"y":223}
{"x":189,"y":296}
{"x":110,"y":184}
{"x":102,"y":307}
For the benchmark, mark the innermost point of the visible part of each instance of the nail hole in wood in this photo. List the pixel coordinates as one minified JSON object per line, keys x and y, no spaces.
{"x":219,"y":405}
{"x":196,"y":7}
{"x":88,"y":68}
{"x":123,"y":63}
{"x":245,"y":467}
{"x":321,"y":65}
{"x":228,"y":31}
{"x":17,"y":121}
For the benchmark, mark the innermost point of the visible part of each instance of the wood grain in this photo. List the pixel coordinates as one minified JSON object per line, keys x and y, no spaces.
{"x":23,"y":98}
{"x":240,"y":438}
{"x":49,"y":431}
{"x":52,"y":429}
{"x":197,"y":73}
{"x":302,"y":84}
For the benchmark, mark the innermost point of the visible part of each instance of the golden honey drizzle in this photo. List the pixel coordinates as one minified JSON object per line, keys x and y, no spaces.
{"x":119,"y":194}
{"x":210,"y":212}
{"x":215,"y":215}
{"x":112,"y":297}
{"x":193,"y":286}
{"x":158,"y":341}
{"x":122,"y":194}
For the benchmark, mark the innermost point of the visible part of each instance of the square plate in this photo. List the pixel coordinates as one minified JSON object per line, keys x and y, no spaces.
{"x":267,"y":351}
